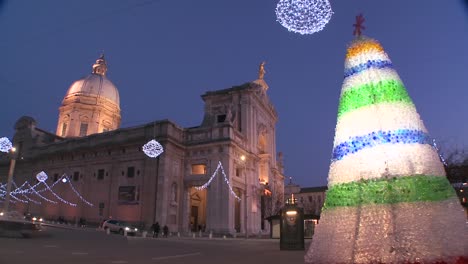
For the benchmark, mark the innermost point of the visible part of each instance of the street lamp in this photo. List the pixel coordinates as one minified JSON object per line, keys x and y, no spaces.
{"x":243,"y":158}
{"x":10,"y":178}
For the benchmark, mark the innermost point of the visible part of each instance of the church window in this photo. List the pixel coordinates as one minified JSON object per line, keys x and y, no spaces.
{"x":221,"y":118}
{"x":310,"y":199}
{"x":64,"y":129}
{"x":174,"y":192}
{"x":76,"y":175}
{"x":83,"y":129}
{"x":100,"y":175}
{"x":101,"y":209}
{"x":127,"y":195}
{"x":131,"y":172}
{"x":198,"y":169}
{"x":238,"y":174}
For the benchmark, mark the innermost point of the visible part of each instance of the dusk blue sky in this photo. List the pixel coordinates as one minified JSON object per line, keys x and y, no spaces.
{"x":163,"y":54}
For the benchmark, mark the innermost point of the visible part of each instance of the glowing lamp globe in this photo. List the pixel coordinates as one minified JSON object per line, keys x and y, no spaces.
{"x":304,"y":16}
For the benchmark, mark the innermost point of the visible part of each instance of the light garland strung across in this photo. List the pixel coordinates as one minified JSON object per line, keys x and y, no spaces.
{"x":304,"y":16}
{"x":442,"y":159}
{"x":24,"y":192}
{"x":153,"y":148}
{"x":220,"y":166}
{"x":38,"y":194}
{"x":53,"y":193}
{"x":5,"y":144}
{"x":67,"y":179}
{"x":41,"y":177}
{"x":3,"y":195}
{"x":58,"y":197}
{"x":21,"y":187}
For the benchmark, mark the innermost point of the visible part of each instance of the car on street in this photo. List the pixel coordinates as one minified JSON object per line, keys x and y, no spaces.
{"x":33,"y":218}
{"x":119,"y":226}
{"x":13,"y":223}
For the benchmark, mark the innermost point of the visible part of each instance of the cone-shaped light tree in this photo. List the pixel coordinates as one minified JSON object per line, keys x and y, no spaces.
{"x":388,"y":200}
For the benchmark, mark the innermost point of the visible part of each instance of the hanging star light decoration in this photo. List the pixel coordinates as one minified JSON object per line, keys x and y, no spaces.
{"x":304,"y":16}
{"x":42,"y":176}
{"x":153,"y":148}
{"x":5,"y":144}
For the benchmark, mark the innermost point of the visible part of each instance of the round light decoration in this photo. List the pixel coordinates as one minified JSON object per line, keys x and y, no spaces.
{"x":304,"y":16}
{"x":153,"y":148}
{"x":41,"y":176}
{"x":5,"y":144}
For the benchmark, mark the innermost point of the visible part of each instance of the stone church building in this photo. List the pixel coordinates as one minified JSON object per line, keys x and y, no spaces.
{"x":107,"y":167}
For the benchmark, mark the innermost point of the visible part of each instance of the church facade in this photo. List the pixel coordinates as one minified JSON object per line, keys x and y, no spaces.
{"x":106,"y":164}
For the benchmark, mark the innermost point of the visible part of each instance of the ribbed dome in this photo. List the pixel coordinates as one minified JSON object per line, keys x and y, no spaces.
{"x":95,"y":84}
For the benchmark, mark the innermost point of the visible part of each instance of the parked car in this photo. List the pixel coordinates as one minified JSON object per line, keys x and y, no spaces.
{"x":119,"y":226}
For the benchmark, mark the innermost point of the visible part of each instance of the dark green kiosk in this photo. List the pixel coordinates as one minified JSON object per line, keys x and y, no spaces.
{"x":292,"y":228}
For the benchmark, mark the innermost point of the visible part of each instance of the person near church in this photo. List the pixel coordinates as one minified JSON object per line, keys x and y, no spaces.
{"x":165,"y":231}
{"x":156,"y":228}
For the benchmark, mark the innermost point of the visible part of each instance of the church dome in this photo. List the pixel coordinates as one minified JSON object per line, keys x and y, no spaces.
{"x":96,"y":84}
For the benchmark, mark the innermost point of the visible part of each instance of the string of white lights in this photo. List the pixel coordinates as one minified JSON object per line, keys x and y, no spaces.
{"x":38,"y":194}
{"x":24,"y":195}
{"x":77,"y":193}
{"x":57,"y":196}
{"x":220,"y":166}
{"x":42,"y":177}
{"x":51,"y":186}
{"x":32,"y":190}
{"x":12,"y":196}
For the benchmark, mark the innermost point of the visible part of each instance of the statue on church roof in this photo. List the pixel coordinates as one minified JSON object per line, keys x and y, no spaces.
{"x":100,"y":67}
{"x":261,"y":71}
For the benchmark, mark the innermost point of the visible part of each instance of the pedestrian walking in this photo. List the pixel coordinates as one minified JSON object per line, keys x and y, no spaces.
{"x":156,"y":228}
{"x":165,"y":230}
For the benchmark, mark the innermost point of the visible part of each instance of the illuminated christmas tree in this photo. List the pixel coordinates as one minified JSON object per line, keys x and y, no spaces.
{"x":388,"y":200}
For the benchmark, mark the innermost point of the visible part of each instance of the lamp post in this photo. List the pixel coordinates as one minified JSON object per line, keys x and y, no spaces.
{"x":10,"y":178}
{"x":245,"y":198}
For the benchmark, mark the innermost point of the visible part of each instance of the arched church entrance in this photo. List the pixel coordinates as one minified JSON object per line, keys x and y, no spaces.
{"x":197,"y":209}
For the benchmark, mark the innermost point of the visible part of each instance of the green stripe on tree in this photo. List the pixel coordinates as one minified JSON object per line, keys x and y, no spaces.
{"x":373,"y":93}
{"x":389,"y":191}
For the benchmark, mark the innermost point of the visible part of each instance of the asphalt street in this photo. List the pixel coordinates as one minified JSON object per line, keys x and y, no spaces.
{"x":83,"y":245}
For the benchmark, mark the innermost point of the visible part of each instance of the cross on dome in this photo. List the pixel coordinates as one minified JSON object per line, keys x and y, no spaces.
{"x":359,"y":25}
